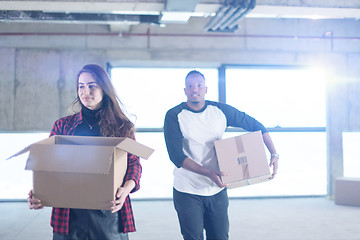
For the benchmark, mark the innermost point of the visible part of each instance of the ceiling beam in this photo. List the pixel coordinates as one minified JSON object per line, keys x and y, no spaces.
{"x":107,"y":6}
{"x":83,"y":6}
{"x":98,"y":18}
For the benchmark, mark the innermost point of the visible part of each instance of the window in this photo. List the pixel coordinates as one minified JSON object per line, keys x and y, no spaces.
{"x":147,"y":93}
{"x":302,"y":167}
{"x":291,"y":103}
{"x":351,"y":143}
{"x":278,"y":97}
{"x":287,"y":100}
{"x":15,"y":181}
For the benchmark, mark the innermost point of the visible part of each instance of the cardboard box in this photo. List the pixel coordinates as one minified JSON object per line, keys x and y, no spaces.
{"x":347,"y":191}
{"x":80,"y":172}
{"x":243,"y":159}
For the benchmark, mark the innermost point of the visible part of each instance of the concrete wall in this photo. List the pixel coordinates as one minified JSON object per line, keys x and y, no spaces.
{"x":38,"y":63}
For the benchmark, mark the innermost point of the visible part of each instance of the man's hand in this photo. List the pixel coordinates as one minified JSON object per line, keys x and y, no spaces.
{"x":34,"y":203}
{"x":274,"y":163}
{"x":216,"y":177}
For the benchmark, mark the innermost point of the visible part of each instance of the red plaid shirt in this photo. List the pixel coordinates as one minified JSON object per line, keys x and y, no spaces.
{"x":60,"y":216}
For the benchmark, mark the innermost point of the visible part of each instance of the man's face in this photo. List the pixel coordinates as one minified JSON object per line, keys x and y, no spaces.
{"x":195,"y":89}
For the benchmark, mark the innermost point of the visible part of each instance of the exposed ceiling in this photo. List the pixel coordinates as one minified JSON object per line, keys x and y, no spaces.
{"x":225,"y":13}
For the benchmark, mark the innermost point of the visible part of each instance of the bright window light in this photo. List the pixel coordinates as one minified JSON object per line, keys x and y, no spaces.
{"x":15,"y":181}
{"x":278,"y":97}
{"x":293,"y":179}
{"x":147,"y":93}
{"x":158,"y":89}
{"x":300,"y":173}
{"x":351,"y":151}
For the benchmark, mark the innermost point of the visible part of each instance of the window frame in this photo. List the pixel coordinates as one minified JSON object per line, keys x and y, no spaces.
{"x":222,"y":94}
{"x":222,"y":99}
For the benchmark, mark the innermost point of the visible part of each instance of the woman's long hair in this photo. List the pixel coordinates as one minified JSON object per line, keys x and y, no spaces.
{"x":113,"y":121}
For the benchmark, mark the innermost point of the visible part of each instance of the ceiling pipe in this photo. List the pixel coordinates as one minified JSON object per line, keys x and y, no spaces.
{"x":234,"y":23}
{"x":226,"y":19}
{"x":238,"y":13}
{"x":228,"y":14}
{"x":216,"y":18}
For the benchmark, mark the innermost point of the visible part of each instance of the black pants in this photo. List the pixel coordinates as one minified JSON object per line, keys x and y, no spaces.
{"x":197,"y":213}
{"x":93,"y":225}
{"x":57,"y":236}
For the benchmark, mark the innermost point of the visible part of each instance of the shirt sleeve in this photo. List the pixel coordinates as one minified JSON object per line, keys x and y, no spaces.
{"x":236,"y":118}
{"x":173,"y":138}
{"x":133,"y":171}
{"x":56,"y":129}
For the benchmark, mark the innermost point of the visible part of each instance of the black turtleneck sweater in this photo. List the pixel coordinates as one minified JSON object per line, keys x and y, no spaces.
{"x":90,"y":124}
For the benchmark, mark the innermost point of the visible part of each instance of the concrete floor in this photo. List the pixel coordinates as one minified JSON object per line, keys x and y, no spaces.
{"x":250,"y":219}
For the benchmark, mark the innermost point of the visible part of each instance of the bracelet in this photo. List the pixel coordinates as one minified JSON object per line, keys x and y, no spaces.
{"x":275,"y":155}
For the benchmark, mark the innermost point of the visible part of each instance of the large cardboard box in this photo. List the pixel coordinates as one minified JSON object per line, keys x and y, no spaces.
{"x":347,"y":191}
{"x":80,"y":172}
{"x":243,"y":159}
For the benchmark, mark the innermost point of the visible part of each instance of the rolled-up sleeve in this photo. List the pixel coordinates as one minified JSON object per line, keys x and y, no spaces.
{"x":134,"y":170}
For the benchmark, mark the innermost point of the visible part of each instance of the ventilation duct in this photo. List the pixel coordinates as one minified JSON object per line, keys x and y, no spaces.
{"x":178,"y":11}
{"x":181,"y":5}
{"x":227,"y":17}
{"x":39,"y":16}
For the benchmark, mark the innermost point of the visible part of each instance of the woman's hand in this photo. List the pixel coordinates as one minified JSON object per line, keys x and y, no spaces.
{"x":121,"y":194}
{"x":34,"y":203}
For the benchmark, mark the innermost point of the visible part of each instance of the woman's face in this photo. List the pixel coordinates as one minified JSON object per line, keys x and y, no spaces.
{"x":89,"y":91}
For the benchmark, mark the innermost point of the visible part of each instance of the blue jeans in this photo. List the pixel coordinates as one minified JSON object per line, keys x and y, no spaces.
{"x":197,"y":213}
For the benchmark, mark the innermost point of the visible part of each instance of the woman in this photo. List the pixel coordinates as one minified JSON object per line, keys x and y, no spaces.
{"x":100,"y":115}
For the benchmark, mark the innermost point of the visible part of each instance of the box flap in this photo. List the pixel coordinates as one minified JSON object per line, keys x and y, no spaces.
{"x":87,"y":140}
{"x":123,"y":143}
{"x":20,"y":152}
{"x":26,"y":149}
{"x":65,"y":158}
{"x":133,"y":147}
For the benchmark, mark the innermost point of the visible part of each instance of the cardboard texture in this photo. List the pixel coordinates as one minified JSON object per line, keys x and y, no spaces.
{"x":80,"y":172}
{"x":347,"y":191}
{"x":243,"y":159}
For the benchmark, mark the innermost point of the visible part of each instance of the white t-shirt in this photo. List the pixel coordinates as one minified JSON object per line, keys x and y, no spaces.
{"x":190,"y":133}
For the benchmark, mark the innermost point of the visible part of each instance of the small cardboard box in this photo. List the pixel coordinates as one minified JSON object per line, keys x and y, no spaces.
{"x":347,"y":191}
{"x":80,"y":172}
{"x":243,"y":159}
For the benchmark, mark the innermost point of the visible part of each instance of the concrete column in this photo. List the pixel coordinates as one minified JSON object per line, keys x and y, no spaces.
{"x":7,"y":88}
{"x":337,"y":117}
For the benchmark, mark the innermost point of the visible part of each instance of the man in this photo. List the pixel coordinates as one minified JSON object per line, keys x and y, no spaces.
{"x":190,"y":129}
